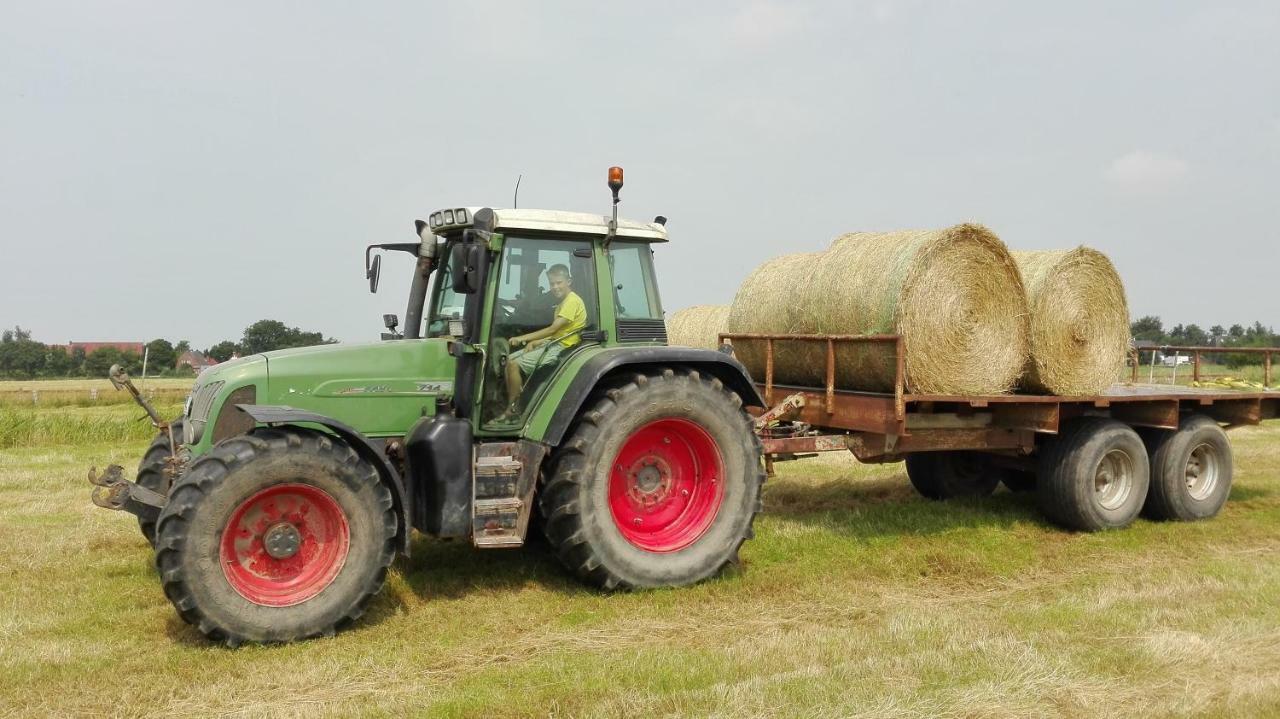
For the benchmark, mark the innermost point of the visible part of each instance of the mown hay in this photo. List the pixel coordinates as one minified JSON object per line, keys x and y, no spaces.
{"x":1079,"y":321}
{"x":954,"y":295}
{"x":697,"y":326}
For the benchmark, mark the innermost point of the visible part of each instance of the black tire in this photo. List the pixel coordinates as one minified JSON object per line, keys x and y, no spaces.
{"x":1019,"y":481}
{"x":152,"y":475}
{"x":1077,"y":490}
{"x":953,"y":475}
{"x":581,"y":524}
{"x":1191,"y":471}
{"x":214,"y":492}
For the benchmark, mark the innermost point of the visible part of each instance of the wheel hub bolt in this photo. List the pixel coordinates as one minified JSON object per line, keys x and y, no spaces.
{"x":282,"y":540}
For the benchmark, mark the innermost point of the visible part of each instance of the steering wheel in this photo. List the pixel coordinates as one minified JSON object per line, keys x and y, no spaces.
{"x":499,"y":348}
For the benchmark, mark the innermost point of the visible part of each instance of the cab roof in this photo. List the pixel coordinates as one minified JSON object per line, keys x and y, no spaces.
{"x":585,"y":223}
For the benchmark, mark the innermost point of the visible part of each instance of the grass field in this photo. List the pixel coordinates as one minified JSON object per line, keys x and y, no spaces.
{"x":1183,"y":373}
{"x":86,"y":392}
{"x":857,"y":598}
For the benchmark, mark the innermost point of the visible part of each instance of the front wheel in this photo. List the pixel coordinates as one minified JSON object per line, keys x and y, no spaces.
{"x":155,"y":473}
{"x":657,"y":484}
{"x":278,"y":535}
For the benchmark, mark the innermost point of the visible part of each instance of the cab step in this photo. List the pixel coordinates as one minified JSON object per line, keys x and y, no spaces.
{"x":496,"y":505}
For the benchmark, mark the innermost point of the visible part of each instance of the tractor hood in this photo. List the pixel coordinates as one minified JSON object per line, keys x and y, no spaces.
{"x":380,"y":388}
{"x":400,"y":368}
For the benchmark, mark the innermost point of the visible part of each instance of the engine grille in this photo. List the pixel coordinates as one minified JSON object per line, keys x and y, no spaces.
{"x":201,"y":403}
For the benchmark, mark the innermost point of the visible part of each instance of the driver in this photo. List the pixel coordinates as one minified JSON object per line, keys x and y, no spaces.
{"x":543,"y":347}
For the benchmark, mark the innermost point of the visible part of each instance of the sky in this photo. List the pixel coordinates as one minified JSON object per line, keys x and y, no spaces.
{"x":181,"y":170}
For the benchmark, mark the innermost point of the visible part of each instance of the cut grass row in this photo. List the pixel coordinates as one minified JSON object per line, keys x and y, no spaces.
{"x":856,"y":598}
{"x":34,"y":427}
{"x":87,"y":392}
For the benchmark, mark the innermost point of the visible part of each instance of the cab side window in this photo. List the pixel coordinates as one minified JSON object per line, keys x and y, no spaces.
{"x":635,"y":294}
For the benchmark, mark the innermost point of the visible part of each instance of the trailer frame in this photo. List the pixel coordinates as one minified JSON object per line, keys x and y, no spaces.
{"x":887,"y":426}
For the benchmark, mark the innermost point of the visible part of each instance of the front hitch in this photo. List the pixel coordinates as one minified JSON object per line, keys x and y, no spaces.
{"x":113,"y":491}
{"x":120,"y":380}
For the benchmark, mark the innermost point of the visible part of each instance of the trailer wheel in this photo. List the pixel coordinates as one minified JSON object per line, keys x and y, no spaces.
{"x":953,"y":475}
{"x":278,"y":535}
{"x":1019,"y":481}
{"x":657,"y":484}
{"x":1191,"y":471}
{"x":1094,"y":475}
{"x":151,"y":472}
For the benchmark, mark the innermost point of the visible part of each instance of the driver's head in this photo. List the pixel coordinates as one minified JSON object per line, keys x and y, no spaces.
{"x":558,"y":277}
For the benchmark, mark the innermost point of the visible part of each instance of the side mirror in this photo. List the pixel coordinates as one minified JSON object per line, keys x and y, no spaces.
{"x":464,"y":267}
{"x":390,"y":322}
{"x":373,"y":271}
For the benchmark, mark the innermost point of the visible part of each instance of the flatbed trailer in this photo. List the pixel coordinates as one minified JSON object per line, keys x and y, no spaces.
{"x":1062,"y":447}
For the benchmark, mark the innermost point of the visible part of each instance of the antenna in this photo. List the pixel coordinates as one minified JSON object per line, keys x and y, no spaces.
{"x":515,"y":199}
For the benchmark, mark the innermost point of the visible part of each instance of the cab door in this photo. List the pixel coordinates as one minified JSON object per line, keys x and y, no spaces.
{"x":523,"y":303}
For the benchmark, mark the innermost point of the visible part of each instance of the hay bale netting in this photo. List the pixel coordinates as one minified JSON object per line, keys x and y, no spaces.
{"x":772,"y":300}
{"x":1079,"y":321}
{"x":697,"y":326}
{"x":954,"y":295}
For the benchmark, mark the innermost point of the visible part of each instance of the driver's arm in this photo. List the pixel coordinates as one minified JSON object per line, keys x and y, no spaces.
{"x":559,"y":325}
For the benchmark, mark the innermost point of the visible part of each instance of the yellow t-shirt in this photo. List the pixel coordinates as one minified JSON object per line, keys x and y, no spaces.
{"x":574,"y":310}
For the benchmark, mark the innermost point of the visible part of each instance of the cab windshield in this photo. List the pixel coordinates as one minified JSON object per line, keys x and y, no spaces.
{"x":445,"y":303}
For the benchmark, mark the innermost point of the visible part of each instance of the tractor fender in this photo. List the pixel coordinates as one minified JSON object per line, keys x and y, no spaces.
{"x":368,"y":449}
{"x":641,"y":359}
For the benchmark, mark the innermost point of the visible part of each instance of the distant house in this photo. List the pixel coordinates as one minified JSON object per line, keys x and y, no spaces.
{"x":197,"y":361}
{"x":89,"y":347}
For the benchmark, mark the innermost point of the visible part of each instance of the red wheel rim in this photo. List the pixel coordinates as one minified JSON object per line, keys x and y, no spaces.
{"x":666,"y":485}
{"x":285,"y":544}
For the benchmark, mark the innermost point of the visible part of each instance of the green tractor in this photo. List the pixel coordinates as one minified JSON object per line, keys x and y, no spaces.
{"x":531,"y":385}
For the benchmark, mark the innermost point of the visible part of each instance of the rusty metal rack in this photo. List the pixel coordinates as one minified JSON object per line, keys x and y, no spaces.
{"x":1197,"y":352}
{"x":885,"y":426}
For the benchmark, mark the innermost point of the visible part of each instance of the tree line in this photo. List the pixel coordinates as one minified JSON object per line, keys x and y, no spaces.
{"x":22,"y":357}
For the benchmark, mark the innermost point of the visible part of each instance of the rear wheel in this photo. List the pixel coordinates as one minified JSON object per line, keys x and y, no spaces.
{"x":657,"y":484}
{"x":278,"y":535}
{"x":953,"y":475}
{"x":1190,"y":471}
{"x":1019,"y":481}
{"x":152,"y":472}
{"x":1094,"y":475}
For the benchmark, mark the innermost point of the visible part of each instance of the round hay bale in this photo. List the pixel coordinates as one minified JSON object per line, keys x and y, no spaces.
{"x":773,"y":300}
{"x":697,"y":326}
{"x":954,"y":295}
{"x":1079,"y":321}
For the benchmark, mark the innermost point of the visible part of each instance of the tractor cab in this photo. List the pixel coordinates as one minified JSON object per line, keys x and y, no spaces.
{"x":520,"y":293}
{"x":525,"y":291}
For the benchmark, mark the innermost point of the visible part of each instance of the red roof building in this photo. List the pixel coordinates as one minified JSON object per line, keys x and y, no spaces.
{"x":89,"y":347}
{"x":197,"y":361}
